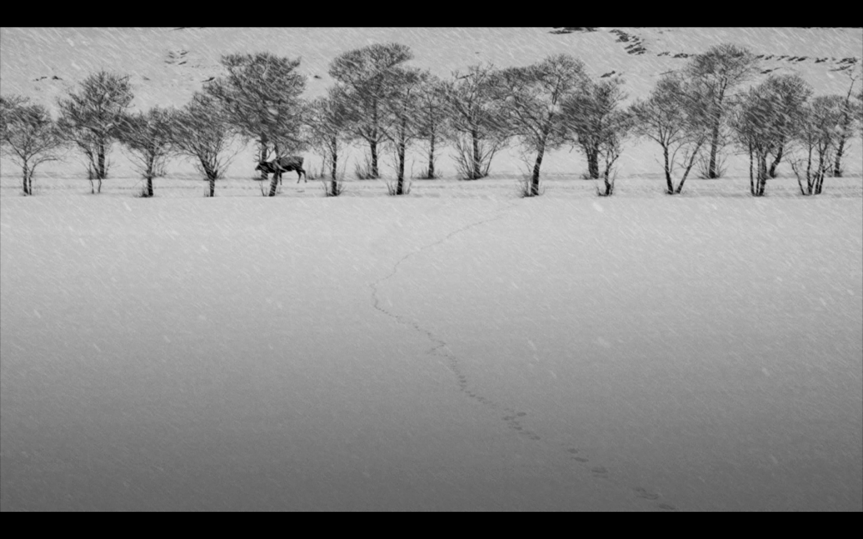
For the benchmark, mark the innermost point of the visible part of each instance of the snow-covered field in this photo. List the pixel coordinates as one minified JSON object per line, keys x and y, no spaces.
{"x":459,"y":348}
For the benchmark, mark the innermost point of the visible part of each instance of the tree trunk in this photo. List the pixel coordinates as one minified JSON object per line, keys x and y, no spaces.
{"x":334,"y":168}
{"x":374,"y":143}
{"x":212,"y":186}
{"x":101,"y":173}
{"x":263,"y":143}
{"x":776,"y":161}
{"x":821,"y":170}
{"x":669,"y":184}
{"x":27,"y":183}
{"x":592,"y":162}
{"x":751,"y":174}
{"x":823,"y":166}
{"x":837,"y":166}
{"x":534,"y":179}
{"x":430,"y":173}
{"x":149,"y":190}
{"x":607,"y":181}
{"x":846,"y":122}
{"x":99,"y":188}
{"x":477,"y":171}
{"x":609,"y":187}
{"x":274,"y":183}
{"x":762,"y":173}
{"x":714,"y":148}
{"x":688,"y":168}
{"x":334,"y":150}
{"x":400,"y":178}
{"x":373,"y":146}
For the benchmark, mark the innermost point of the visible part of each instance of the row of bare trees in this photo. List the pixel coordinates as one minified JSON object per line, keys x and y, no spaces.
{"x":98,"y":115}
{"x":780,"y":119}
{"x":697,"y":116}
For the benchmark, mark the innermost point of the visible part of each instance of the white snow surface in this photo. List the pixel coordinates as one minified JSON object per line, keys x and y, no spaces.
{"x":466,"y":351}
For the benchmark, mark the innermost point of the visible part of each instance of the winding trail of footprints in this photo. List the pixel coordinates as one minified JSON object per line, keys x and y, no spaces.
{"x":513,"y":418}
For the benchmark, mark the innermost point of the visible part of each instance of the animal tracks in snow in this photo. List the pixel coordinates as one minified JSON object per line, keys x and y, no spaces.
{"x":513,"y":419}
{"x":642,"y":492}
{"x":440,"y":347}
{"x":601,"y":472}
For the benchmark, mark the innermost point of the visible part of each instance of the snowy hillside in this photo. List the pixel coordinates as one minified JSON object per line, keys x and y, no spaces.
{"x":167,"y":65}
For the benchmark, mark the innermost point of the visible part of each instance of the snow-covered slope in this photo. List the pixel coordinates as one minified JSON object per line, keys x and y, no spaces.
{"x":167,"y":65}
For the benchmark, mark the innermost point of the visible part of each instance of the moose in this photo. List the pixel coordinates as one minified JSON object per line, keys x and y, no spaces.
{"x":284,"y":164}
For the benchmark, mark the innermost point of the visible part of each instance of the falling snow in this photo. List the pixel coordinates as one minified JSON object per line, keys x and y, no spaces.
{"x":457,"y":348}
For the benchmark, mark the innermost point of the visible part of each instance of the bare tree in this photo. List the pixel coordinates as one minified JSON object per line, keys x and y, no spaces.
{"x":765,"y":120}
{"x":434,"y":123}
{"x":819,"y":135}
{"x":475,"y":110}
{"x":675,"y":117}
{"x":756,"y":141}
{"x":362,"y":75}
{"x":610,"y":149}
{"x":720,"y":70}
{"x":89,"y":118}
{"x":149,"y":139}
{"x":847,"y":124}
{"x":261,"y":97}
{"x":595,"y":122}
{"x":789,"y":93}
{"x":202,"y":132}
{"x":328,"y":121}
{"x":28,"y":136}
{"x":401,"y":111}
{"x":532,"y":100}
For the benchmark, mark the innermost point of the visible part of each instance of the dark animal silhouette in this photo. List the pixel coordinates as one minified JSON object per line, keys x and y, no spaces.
{"x":284,"y":164}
